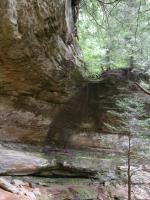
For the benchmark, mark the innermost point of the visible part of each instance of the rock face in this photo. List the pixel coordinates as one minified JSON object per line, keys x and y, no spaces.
{"x":40,"y":70}
{"x":22,"y":163}
{"x":39,"y":63}
{"x":82,"y":122}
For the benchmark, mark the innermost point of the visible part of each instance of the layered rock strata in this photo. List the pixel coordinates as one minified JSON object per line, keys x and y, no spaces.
{"x":40,"y":63}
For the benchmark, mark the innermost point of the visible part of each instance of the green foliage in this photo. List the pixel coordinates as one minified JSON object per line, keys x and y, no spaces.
{"x":131,"y":117}
{"x":110,"y":34}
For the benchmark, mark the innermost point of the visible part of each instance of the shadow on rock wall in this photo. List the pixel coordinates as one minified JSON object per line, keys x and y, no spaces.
{"x":86,"y":111}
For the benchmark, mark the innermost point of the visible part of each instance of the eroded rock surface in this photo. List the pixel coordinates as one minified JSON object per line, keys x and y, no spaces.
{"x":91,"y":151}
{"x":59,"y":163}
{"x":39,"y":64}
{"x":21,"y":163}
{"x":40,"y":69}
{"x":81,"y":123}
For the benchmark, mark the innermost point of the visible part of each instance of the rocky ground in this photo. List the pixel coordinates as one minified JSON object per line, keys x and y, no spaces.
{"x":74,"y":175}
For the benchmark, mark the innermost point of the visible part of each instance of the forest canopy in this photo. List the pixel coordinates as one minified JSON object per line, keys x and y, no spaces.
{"x":114,"y":33}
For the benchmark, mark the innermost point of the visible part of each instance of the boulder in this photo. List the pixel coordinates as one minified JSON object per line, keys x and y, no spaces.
{"x":9,"y":196}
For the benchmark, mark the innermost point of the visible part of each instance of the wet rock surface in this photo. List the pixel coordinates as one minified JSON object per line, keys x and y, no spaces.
{"x":85,"y":160}
{"x":92,"y":164}
{"x":82,"y":122}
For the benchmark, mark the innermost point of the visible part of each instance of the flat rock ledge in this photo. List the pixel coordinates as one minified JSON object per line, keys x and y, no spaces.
{"x":54,"y":164}
{"x":21,"y":163}
{"x":68,"y":174}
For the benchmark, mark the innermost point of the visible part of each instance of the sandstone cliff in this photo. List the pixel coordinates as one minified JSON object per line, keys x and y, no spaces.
{"x":40,"y":85}
{"x":39,"y":63}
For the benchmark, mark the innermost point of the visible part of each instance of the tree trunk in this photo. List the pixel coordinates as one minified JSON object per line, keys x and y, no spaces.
{"x":129,"y":167}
